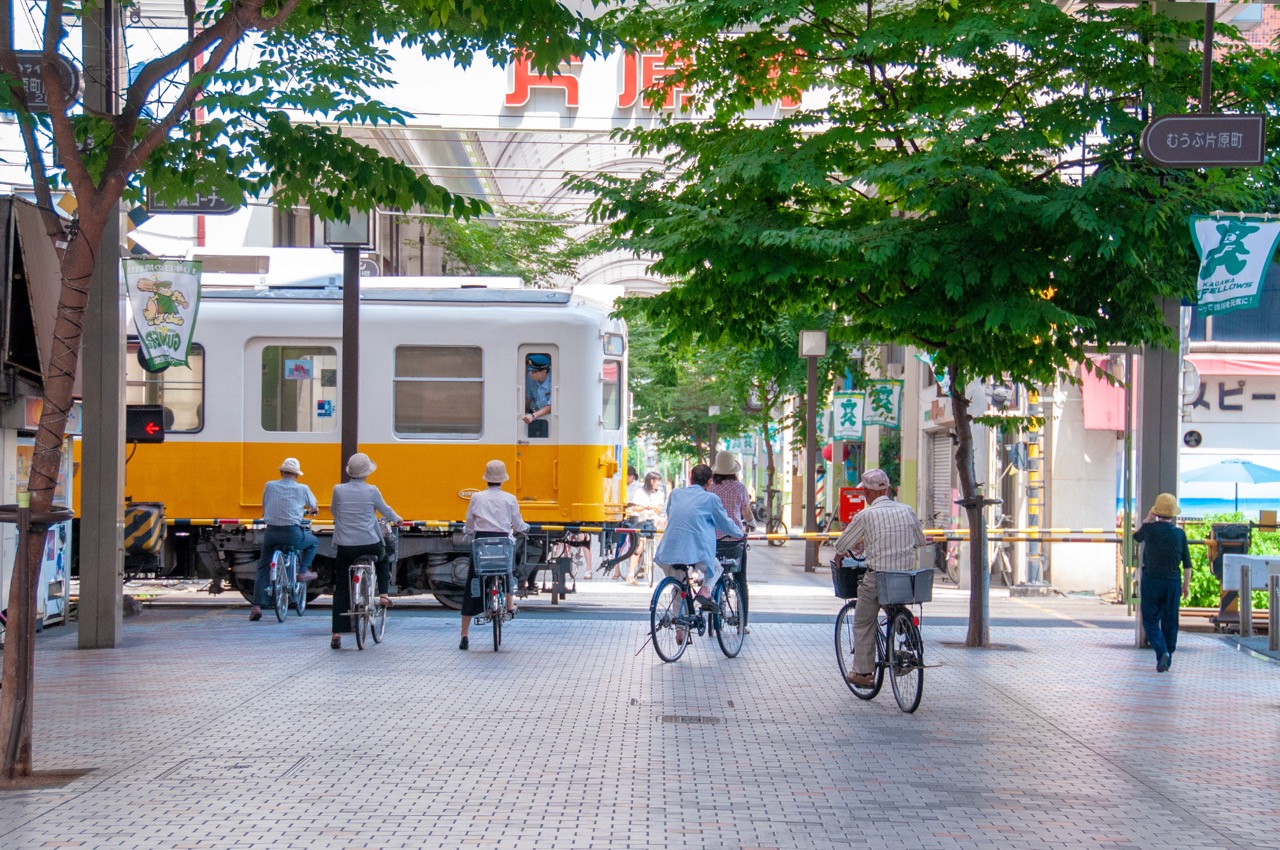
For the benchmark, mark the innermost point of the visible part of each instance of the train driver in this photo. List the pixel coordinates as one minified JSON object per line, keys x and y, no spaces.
{"x":537,"y":393}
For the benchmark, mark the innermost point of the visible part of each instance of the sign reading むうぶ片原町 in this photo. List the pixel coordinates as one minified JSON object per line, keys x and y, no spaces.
{"x":1235,"y":252}
{"x":165,"y":296}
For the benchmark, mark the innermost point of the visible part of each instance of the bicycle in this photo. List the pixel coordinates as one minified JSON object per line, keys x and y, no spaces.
{"x":774,"y":523}
{"x":284,"y":587}
{"x":369,"y":615}
{"x":673,"y":616}
{"x":494,"y":559}
{"x":899,"y":646}
{"x":829,"y":525}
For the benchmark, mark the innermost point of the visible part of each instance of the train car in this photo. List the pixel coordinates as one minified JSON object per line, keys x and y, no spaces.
{"x":442,"y":383}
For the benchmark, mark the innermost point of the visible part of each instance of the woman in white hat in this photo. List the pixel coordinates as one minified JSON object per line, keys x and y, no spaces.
{"x":355,"y":506}
{"x":492,"y":512}
{"x":737,"y":503}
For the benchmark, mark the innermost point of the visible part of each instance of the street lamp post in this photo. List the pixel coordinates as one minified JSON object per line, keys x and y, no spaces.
{"x":813,"y":345}
{"x":713,"y":411}
{"x":351,"y":237}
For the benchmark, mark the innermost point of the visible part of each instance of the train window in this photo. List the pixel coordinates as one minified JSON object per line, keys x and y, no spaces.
{"x":611,"y":408}
{"x":439,"y":390}
{"x":179,"y":389}
{"x":299,"y":388}
{"x":614,"y":345}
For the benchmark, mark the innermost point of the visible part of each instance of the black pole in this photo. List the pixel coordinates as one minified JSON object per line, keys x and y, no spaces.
{"x":1206,"y":62}
{"x":350,"y":355}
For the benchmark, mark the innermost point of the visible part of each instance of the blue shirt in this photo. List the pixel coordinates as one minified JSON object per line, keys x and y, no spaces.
{"x":284,"y":500}
{"x":538,"y":393}
{"x":693,"y":517}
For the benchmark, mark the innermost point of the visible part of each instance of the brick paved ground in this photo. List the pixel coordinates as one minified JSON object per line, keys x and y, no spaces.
{"x":206,"y":731}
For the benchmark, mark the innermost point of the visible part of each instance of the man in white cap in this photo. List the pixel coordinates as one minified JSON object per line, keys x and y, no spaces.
{"x":886,"y":533}
{"x":285,"y":502}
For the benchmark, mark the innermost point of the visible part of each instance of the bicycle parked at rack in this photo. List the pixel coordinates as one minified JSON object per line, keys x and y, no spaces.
{"x":369,"y":615}
{"x":494,"y":558}
{"x":899,"y":646}
{"x":674,"y":617}
{"x":283,"y":586}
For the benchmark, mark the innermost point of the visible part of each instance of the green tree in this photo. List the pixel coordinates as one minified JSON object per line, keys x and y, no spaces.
{"x":970,"y":183}
{"x":258,"y":64}
{"x":518,"y":241}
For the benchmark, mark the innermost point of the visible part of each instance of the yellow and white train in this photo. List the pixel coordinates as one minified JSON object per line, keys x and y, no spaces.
{"x":442,"y":390}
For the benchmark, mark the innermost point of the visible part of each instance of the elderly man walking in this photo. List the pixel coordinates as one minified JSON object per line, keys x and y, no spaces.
{"x":886,"y":534}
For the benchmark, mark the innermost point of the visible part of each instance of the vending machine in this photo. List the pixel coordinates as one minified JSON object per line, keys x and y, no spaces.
{"x":53,"y":587}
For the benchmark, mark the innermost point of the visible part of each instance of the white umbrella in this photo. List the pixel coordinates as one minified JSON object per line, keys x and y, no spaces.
{"x":1235,"y":471}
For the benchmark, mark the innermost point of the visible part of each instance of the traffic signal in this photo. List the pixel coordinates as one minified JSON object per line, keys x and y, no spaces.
{"x":144,"y":423}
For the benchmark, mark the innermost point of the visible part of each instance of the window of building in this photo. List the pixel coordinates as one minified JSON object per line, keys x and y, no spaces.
{"x":439,"y":390}
{"x":178,"y":389}
{"x":299,"y":388}
{"x":611,"y":406}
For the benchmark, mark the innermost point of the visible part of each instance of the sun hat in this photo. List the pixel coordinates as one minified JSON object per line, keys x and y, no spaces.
{"x":360,"y":466}
{"x":291,"y":465}
{"x":495,"y":472}
{"x":875,"y":479}
{"x":537,"y":362}
{"x":1166,"y":505}
{"x":726,"y":463}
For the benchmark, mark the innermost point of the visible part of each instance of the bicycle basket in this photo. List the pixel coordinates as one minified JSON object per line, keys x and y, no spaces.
{"x":493,"y":555}
{"x":846,"y":579}
{"x":904,"y":588}
{"x":730,"y":554}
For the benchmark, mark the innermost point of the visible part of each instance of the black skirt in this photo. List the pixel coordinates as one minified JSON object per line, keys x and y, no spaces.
{"x":473,"y":604}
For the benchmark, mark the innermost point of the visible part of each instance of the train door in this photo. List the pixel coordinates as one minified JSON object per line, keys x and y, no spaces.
{"x":538,"y":423}
{"x":290,"y":410}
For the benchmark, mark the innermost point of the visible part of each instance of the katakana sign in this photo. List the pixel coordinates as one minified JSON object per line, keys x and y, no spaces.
{"x":1203,"y":140}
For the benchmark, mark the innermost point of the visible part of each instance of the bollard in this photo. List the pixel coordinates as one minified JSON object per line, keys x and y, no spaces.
{"x":1273,"y":614}
{"x":1246,"y":600}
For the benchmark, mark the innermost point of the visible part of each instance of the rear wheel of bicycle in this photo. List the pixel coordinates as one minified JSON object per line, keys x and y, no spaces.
{"x":669,"y":619}
{"x":280,"y":586}
{"x":378,"y":617}
{"x":731,"y":620}
{"x":359,"y":616}
{"x":906,"y":662}
{"x":844,"y":653}
{"x":497,"y":608}
{"x":775,"y":526}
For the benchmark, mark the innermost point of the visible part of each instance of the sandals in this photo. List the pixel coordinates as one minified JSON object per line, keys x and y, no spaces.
{"x":386,"y":601}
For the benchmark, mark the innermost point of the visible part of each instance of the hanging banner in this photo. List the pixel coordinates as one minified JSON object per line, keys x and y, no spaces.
{"x":884,"y":403}
{"x":849,"y":412}
{"x":165,"y":295}
{"x":1234,"y":256}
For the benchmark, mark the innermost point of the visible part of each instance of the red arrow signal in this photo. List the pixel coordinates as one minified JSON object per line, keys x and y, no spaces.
{"x":152,"y":428}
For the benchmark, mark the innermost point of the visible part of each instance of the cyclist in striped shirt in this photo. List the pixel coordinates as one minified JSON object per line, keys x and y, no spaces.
{"x":886,"y":534}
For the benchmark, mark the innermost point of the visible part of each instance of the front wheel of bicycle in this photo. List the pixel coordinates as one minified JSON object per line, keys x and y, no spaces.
{"x":297,"y":589}
{"x":844,"y":653}
{"x":280,"y":585}
{"x":906,"y":662}
{"x":775,"y":526}
{"x":669,"y":619}
{"x":731,"y":619}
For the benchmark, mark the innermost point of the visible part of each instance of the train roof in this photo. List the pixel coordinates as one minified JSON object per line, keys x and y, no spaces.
{"x":463,"y":295}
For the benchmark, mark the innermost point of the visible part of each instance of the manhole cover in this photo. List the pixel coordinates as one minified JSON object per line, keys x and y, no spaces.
{"x":690,"y":719}
{"x":229,"y":768}
{"x":1003,"y":647}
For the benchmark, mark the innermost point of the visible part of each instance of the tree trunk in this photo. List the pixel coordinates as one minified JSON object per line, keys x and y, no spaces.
{"x":16,"y":692}
{"x":979,"y":633}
